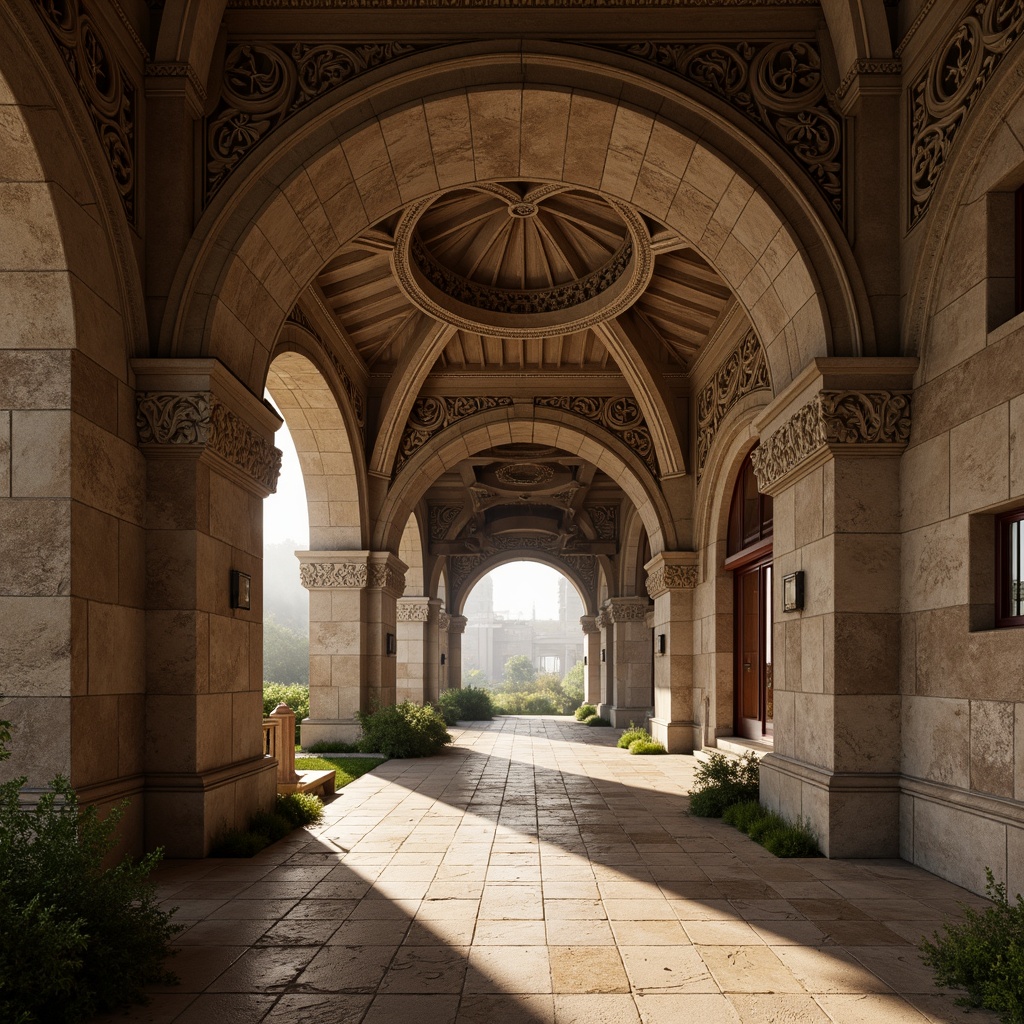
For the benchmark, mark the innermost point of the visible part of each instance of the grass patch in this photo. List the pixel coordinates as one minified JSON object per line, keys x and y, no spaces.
{"x":330,"y":747}
{"x":647,"y":746}
{"x":347,"y":769}
{"x":775,"y":834}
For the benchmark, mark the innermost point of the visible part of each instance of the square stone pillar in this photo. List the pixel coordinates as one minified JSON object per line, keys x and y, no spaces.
{"x":830,"y":460}
{"x":671,"y":579}
{"x":444,"y":624}
{"x":210,"y":462}
{"x":456,"y":629}
{"x":432,"y":669}
{"x":627,"y":666}
{"x":352,"y":608}
{"x":413,"y":614}
{"x":606,"y":677}
{"x":592,"y":652}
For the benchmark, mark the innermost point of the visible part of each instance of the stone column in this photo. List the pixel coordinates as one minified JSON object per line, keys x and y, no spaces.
{"x":444,"y":623}
{"x":210,"y":462}
{"x":413,"y":614}
{"x":830,"y":460}
{"x":671,"y":579}
{"x":352,"y":608}
{"x":432,"y":669}
{"x":592,"y":652}
{"x":456,"y":628}
{"x":627,"y":661}
{"x":606,"y":677}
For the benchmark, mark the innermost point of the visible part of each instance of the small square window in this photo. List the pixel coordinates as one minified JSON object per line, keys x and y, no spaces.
{"x":1009,"y":575}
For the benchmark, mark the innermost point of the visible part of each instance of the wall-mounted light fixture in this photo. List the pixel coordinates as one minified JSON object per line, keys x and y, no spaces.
{"x":442,"y":657}
{"x":602,"y":654}
{"x":661,"y":643}
{"x":241,"y":590}
{"x":390,"y":644}
{"x":584,"y":660}
{"x":793,"y":592}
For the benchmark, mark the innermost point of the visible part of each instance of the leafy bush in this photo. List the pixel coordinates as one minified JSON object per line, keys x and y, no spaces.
{"x":742,"y":816}
{"x":634,"y":732}
{"x":647,"y":746}
{"x":470,"y":704}
{"x":585,"y":711}
{"x":984,"y":955}
{"x":295,"y":696}
{"x":721,"y":782}
{"x":76,"y":939}
{"x":543,"y":703}
{"x":292,"y":811}
{"x":403,"y":730}
{"x":597,"y":720}
{"x":331,"y":747}
{"x":301,"y":809}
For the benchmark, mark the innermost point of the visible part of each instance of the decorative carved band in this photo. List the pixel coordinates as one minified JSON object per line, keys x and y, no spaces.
{"x":745,"y":371}
{"x":833,"y":418}
{"x":621,"y":416}
{"x":671,"y":577}
{"x":265,"y":83}
{"x":297,"y":317}
{"x":627,"y":610}
{"x":585,"y":568}
{"x":200,"y":419}
{"x":441,"y":519}
{"x":777,"y":85}
{"x":590,"y":625}
{"x":457,"y":624}
{"x":605,"y":519}
{"x":431,"y":415}
{"x":867,"y":67}
{"x":941,"y":98}
{"x":104,"y":85}
{"x":333,"y":575}
{"x":413,"y":611}
{"x":386,"y":577}
{"x":444,"y":621}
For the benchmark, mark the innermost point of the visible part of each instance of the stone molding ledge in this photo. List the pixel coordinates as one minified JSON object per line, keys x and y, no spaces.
{"x":984,"y":805}
{"x":826,"y":778}
{"x":352,"y":570}
{"x":671,"y":570}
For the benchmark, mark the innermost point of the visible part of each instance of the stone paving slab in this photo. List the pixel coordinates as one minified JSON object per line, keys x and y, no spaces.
{"x":536,"y":874}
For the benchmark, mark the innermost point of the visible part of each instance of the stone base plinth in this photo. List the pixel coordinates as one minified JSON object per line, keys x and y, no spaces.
{"x":324,"y":730}
{"x":676,"y":737}
{"x":621,"y":717}
{"x":853,"y":814}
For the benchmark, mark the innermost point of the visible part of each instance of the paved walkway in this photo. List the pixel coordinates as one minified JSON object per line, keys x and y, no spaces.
{"x":534,"y":874}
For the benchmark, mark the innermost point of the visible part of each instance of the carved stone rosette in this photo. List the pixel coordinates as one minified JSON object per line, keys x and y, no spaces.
{"x":413,"y":609}
{"x":941,"y":98}
{"x":671,"y":577}
{"x":620,"y":416}
{"x":333,"y":575}
{"x":834,"y":419}
{"x":431,"y":415}
{"x":171,"y":419}
{"x":743,"y":372}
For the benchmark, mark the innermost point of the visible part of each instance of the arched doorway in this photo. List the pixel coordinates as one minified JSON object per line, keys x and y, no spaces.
{"x":749,"y":558}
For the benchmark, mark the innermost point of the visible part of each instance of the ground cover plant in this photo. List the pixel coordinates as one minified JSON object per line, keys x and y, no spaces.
{"x":403,"y":730}
{"x":721,"y":782}
{"x":330,"y":747}
{"x":291,"y":811}
{"x":77,"y":937}
{"x":984,"y":954}
{"x":647,"y":746}
{"x":346,"y":769}
{"x":585,"y":711}
{"x":634,"y":732}
{"x":773,"y":832}
{"x":597,"y":720}
{"x":295,"y":696}
{"x":470,"y":704}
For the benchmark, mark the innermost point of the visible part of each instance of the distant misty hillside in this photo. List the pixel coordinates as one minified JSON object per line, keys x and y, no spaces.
{"x":284,"y":596}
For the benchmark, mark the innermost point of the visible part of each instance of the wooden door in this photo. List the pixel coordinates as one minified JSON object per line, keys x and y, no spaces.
{"x":753,"y":674}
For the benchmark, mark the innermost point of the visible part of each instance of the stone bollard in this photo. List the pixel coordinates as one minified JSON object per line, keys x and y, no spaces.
{"x":286,"y":774}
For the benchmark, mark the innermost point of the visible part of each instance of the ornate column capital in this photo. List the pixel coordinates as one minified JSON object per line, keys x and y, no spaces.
{"x":590,"y":624}
{"x":194,"y":408}
{"x":671,"y":570}
{"x":412,"y":609}
{"x":336,"y":570}
{"x":386,"y":572}
{"x":625,"y":609}
{"x":444,"y":621}
{"x":457,"y":623}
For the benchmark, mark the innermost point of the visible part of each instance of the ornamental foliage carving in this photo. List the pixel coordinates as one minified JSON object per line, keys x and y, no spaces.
{"x":431,"y":415}
{"x":941,"y":98}
{"x":386,"y":577}
{"x":779,"y":86}
{"x":441,"y":519}
{"x":264,"y":83}
{"x":621,"y":416}
{"x":198,"y":418}
{"x":605,"y":519}
{"x":627,"y":611}
{"x":833,"y":418}
{"x":671,"y":577}
{"x":297,"y":317}
{"x":745,"y":371}
{"x":332,"y":575}
{"x":105,"y":87}
{"x":585,"y":568}
{"x":410,"y":611}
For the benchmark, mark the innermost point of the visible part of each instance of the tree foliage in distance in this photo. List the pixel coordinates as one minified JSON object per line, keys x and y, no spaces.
{"x":285,"y":654}
{"x":296,"y":697}
{"x":475,"y":678}
{"x":519,"y":674}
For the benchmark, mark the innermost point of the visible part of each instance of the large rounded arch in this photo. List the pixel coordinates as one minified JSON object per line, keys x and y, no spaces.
{"x":336,"y":172}
{"x":586,"y":595}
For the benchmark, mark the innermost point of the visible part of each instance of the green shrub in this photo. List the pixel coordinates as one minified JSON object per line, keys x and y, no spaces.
{"x":542,"y":703}
{"x":300,"y":809}
{"x":295,"y":696}
{"x":597,"y":720}
{"x":634,"y":732}
{"x":721,"y":782}
{"x":647,"y":746}
{"x":984,"y":955}
{"x":742,"y":816}
{"x":761,"y":827}
{"x":76,"y":939}
{"x":403,"y":730}
{"x":331,"y":747}
{"x":791,"y":841}
{"x":585,"y":711}
{"x":470,"y":704}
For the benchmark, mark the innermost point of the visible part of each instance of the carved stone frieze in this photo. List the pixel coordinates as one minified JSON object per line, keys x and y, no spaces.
{"x":265,"y":83}
{"x":779,"y":86}
{"x":603,"y":619}
{"x":460,"y":568}
{"x":413,"y":611}
{"x":671,"y":577}
{"x":619,"y":415}
{"x":744,"y":371}
{"x":444,"y":621}
{"x":430,"y":415}
{"x":333,"y":575}
{"x":296,"y":316}
{"x":626,"y":610}
{"x":834,"y":419}
{"x":198,"y":418}
{"x":942,"y":96}
{"x":605,"y":519}
{"x":589,"y":624}
{"x":382,"y":576}
{"x":441,"y":518}
{"x":585,"y":568}
{"x":457,"y":624}
{"x":342,"y":5}
{"x":867,"y":67}
{"x":105,"y":87}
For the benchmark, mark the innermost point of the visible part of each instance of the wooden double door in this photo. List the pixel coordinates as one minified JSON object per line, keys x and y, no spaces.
{"x":753,"y":645}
